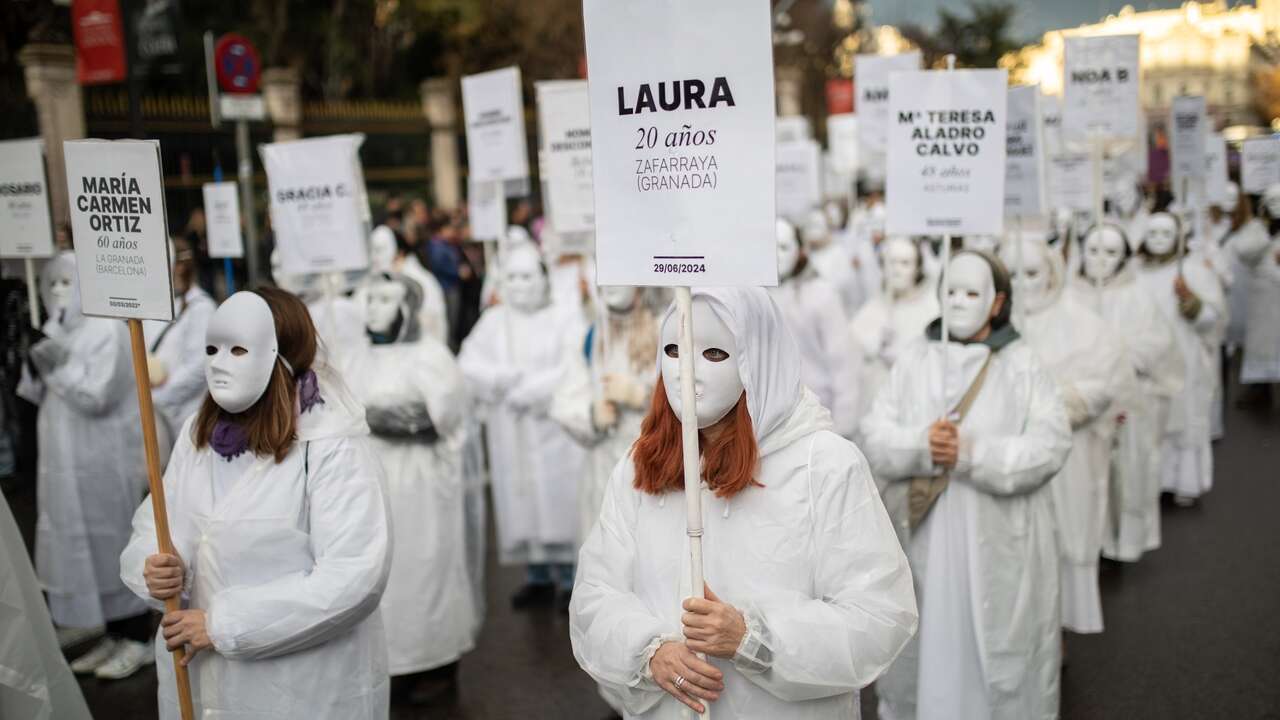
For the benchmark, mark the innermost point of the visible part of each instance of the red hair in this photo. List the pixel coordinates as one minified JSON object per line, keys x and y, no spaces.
{"x":728,"y":460}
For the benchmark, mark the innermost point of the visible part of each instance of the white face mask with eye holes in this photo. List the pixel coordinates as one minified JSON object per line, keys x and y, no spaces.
{"x":1104,"y":254}
{"x":788,"y":250}
{"x":717,"y":384}
{"x":1162,"y":234}
{"x":383,"y":306}
{"x":901,"y":264}
{"x":241,"y":351}
{"x":1029,"y":275}
{"x":971,"y":295}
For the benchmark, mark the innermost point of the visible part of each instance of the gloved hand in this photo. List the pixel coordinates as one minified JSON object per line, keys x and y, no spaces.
{"x":1077,"y":410}
{"x":604,"y":414}
{"x":622,"y":390}
{"x":505,"y":380}
{"x":48,"y":355}
{"x":404,"y":420}
{"x":521,"y":398}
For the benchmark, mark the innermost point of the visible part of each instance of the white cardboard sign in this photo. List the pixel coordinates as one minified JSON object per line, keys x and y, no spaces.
{"x":1024,"y":155}
{"x":316,"y":193}
{"x":1187,"y":130}
{"x":1215,"y":168}
{"x":222,"y":220}
{"x":946,"y":152}
{"x":493,"y":107}
{"x":842,"y":140}
{"x":1069,"y":181}
{"x":116,"y":193}
{"x":1259,"y":164}
{"x":799,"y":187}
{"x":871,"y":88}
{"x":793,"y":128}
{"x":564,"y":118}
{"x":1100,"y":87}
{"x":682,"y":143}
{"x":25,"y":227}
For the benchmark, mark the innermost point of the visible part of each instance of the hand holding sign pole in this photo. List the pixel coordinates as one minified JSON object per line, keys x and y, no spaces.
{"x":117,"y":210}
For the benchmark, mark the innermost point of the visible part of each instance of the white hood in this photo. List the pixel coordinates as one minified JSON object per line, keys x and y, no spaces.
{"x":782,"y":409}
{"x":340,"y":415}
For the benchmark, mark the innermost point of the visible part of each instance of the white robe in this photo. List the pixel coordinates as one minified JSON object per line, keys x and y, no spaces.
{"x":534,"y":463}
{"x":820,"y":327}
{"x":834,"y":263}
{"x":1262,"y":326}
{"x":809,"y":557}
{"x":1080,"y":353}
{"x":1243,"y":249}
{"x":881,"y":329}
{"x":996,"y":531}
{"x":288,"y":561}
{"x":1153,"y":375}
{"x":90,"y":476}
{"x":180,"y":346}
{"x":1186,"y":454}
{"x":428,"y":609}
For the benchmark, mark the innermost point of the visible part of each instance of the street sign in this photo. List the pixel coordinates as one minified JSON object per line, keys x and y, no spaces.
{"x":237,"y":64}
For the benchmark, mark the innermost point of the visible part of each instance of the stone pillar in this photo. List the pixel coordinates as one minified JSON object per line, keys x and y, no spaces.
{"x":789,"y":87}
{"x":282,"y":93}
{"x":439,"y":104}
{"x":50,"y":72}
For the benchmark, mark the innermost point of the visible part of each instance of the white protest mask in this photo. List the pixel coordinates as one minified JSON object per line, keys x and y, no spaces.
{"x":1124,"y":198}
{"x":619,"y":299}
{"x":901,"y":264}
{"x":241,"y":351}
{"x":835,"y":215}
{"x":57,"y":283}
{"x":970,"y":296}
{"x":816,"y":232}
{"x":788,"y":249}
{"x":982,"y":243}
{"x":717,"y":383}
{"x":1162,"y":234}
{"x":383,"y":305}
{"x":524,"y":284}
{"x":1271,"y":200}
{"x":1230,"y":197}
{"x":1030,"y":274}
{"x":1104,"y":254}
{"x":382,"y":249}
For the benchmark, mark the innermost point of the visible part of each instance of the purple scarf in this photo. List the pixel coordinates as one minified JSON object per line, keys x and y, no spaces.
{"x":229,"y":439}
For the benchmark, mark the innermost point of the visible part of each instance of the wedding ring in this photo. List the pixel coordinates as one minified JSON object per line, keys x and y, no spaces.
{"x":679,"y":681}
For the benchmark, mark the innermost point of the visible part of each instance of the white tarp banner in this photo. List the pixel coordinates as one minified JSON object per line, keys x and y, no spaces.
{"x":1215,"y":168}
{"x":871,"y":89}
{"x":1259,"y":164}
{"x":1187,"y":130}
{"x":1100,"y":87}
{"x":682,"y":144}
{"x":842,"y":141}
{"x":1024,"y":155}
{"x":946,"y":152}
{"x":222,"y":220}
{"x":25,"y":227}
{"x":116,"y":194}
{"x":487,"y":211}
{"x":1069,"y":181}
{"x":493,"y":108}
{"x":799,"y":179}
{"x":564,"y":119}
{"x":316,"y":190}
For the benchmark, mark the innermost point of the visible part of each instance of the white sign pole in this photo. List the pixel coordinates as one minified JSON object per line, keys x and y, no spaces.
{"x":945,"y":334}
{"x":689,"y":444}
{"x":33,"y":299}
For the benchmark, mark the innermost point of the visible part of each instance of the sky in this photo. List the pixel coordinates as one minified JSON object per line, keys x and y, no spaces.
{"x":1034,"y":16}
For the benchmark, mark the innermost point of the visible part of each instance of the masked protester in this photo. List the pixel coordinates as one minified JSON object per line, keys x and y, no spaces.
{"x":808,"y":592}
{"x":1079,"y":352}
{"x":89,"y":477}
{"x":1107,"y":284}
{"x":513,"y":361}
{"x":280,"y":531}
{"x":1262,"y":324}
{"x":416,"y":406}
{"x":893,"y":319}
{"x":390,"y":252}
{"x":1243,"y":241}
{"x":1126,"y":209}
{"x":813,"y":311}
{"x":1190,"y":298}
{"x":175,"y":350}
{"x":966,"y":476}
{"x":831,"y":261}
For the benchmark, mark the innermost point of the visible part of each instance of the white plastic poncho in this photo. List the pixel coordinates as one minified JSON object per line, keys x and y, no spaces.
{"x":882,"y":328}
{"x":1186,"y":454}
{"x":534,"y":463}
{"x":816,"y":318}
{"x":179,"y":346}
{"x":1087,"y":362}
{"x":985,"y":560}
{"x":289,"y":562}
{"x":809,"y":556}
{"x":91,"y":471}
{"x":1153,"y":375}
{"x":1262,"y":326}
{"x":35,"y":682}
{"x":427,"y":609}
{"x":1243,"y":248}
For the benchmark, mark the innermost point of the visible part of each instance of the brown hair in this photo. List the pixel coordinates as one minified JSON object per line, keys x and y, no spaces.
{"x":728,"y":459}
{"x":184,"y":264}
{"x":271,"y":422}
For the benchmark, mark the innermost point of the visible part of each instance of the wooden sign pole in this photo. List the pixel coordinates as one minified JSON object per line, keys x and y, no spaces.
{"x":151,"y":446}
